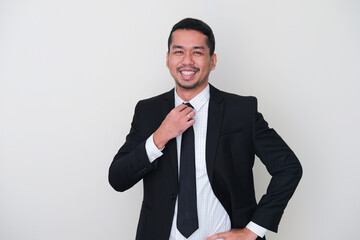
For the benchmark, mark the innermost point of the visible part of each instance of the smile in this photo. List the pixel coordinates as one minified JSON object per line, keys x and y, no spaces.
{"x":187,"y":73}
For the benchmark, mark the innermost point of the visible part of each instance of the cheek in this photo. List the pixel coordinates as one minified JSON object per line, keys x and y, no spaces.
{"x":172,"y":63}
{"x":208,"y":66}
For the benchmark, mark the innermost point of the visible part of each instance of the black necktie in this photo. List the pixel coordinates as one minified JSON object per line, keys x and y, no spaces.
{"x":187,"y":219}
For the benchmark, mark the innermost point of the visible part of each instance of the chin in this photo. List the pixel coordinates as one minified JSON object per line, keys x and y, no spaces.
{"x":187,"y":86}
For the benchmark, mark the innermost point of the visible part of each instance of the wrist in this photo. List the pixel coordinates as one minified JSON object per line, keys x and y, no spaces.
{"x":259,"y":230}
{"x":159,"y":139}
{"x":250,"y":233}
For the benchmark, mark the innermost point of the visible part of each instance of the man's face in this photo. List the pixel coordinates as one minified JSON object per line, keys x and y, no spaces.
{"x":189,"y":59}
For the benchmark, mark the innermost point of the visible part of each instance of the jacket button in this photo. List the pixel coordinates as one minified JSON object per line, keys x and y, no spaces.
{"x":173,"y":196}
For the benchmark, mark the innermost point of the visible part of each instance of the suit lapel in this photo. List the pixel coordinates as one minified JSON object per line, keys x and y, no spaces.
{"x":167,"y":106}
{"x":216,"y":105}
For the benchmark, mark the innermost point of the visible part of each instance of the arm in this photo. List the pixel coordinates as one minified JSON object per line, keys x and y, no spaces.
{"x":132,"y":163}
{"x":286,"y":172}
{"x":283,"y":166}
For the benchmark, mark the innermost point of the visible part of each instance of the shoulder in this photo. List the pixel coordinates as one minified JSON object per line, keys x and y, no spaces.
{"x":156,"y":102}
{"x":233,"y":99}
{"x":150,"y":112}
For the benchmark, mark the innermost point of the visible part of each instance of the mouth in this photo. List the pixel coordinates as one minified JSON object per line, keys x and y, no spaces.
{"x":188,"y":73}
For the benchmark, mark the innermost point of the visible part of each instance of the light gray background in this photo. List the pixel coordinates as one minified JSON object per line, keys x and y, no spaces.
{"x":72,"y":71}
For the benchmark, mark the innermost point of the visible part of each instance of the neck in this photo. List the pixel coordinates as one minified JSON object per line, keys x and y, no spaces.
{"x":188,"y":94}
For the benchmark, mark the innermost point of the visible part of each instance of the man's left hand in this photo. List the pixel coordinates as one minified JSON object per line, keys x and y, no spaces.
{"x":235,"y":234}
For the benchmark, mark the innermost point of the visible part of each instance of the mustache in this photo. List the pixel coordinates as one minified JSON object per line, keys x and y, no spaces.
{"x":196,"y":69}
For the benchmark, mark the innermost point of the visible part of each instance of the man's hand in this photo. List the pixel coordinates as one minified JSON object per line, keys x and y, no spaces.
{"x":235,"y":234}
{"x":176,"y":122}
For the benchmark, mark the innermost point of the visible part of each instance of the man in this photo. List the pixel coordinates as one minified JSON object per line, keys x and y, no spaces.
{"x":210,"y":196}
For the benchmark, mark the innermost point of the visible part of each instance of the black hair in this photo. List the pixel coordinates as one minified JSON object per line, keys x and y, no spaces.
{"x":197,"y":25}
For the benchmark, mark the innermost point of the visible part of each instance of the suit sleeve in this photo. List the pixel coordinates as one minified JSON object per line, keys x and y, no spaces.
{"x":131,"y":163}
{"x":283,"y":166}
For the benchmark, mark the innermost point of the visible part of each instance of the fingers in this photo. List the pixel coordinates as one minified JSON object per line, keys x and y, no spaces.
{"x":218,"y":236}
{"x":184,"y":112}
{"x":188,"y":111}
{"x":181,"y":107}
{"x":190,"y":115}
{"x":190,"y":123}
{"x":243,"y":234}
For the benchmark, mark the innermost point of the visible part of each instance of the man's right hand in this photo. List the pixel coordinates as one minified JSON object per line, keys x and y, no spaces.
{"x":176,"y":122}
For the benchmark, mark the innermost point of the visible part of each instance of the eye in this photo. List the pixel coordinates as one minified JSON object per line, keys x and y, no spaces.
{"x":198,"y":53}
{"x":178,"y":52}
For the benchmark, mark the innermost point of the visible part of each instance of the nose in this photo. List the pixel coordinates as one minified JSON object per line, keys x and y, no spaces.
{"x":188,"y":60}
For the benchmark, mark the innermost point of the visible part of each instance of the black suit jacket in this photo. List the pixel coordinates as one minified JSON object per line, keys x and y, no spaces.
{"x":235,"y":133}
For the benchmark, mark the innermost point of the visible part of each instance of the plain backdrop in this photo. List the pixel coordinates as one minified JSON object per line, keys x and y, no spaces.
{"x":71,"y":72}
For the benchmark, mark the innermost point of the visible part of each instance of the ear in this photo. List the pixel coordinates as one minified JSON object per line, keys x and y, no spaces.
{"x":213,"y":61}
{"x":167,"y":59}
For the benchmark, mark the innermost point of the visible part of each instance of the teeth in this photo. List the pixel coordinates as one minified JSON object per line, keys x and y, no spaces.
{"x":187,"y":72}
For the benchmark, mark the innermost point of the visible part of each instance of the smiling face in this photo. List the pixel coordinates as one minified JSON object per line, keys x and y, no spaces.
{"x":189,"y":61}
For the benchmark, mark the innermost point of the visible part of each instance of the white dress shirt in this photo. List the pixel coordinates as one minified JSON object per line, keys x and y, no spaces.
{"x":212,"y":216}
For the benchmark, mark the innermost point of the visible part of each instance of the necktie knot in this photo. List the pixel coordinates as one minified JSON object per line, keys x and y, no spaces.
{"x":188,"y":104}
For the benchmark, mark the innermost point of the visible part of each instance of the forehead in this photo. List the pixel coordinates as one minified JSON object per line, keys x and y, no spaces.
{"x":188,"y":38}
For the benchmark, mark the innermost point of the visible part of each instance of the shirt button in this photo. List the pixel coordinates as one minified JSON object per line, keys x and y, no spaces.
{"x":173,"y":196}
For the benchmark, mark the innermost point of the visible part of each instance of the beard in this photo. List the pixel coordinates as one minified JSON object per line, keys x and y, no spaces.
{"x":188,"y":87}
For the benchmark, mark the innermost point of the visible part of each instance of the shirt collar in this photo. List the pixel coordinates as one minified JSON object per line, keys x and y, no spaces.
{"x":198,"y":101}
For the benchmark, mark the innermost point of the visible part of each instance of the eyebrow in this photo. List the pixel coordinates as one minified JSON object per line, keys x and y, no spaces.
{"x":181,"y":47}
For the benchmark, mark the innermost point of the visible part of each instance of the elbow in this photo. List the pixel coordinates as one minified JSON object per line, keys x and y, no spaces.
{"x":118,"y":188}
{"x":293,"y":170}
{"x":299,"y":171}
{"x":116,"y":184}
{"x":296,"y":171}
